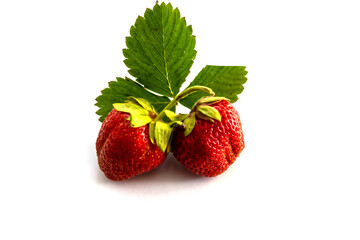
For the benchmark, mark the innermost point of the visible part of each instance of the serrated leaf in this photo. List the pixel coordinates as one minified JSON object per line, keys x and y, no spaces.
{"x":162,"y":135}
{"x":189,"y":124}
{"x":160,"y":50}
{"x":209,"y":112}
{"x":225,"y":81}
{"x":120,"y":90}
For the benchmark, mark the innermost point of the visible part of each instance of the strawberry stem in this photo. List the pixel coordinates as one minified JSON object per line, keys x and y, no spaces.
{"x":182,"y":95}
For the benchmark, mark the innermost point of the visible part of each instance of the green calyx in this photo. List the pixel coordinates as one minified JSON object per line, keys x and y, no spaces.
{"x":189,"y":124}
{"x":162,"y":134}
{"x":202,"y":110}
{"x":144,"y":103}
{"x":139,"y":116}
{"x":211,"y":100}
{"x":175,"y":119}
{"x":208,"y":113}
{"x":160,"y":131}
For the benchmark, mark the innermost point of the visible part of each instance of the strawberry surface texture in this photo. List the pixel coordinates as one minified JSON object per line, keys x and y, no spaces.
{"x":212,"y":146}
{"x":124,"y":151}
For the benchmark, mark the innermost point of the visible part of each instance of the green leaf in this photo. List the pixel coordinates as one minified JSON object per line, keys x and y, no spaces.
{"x":120,"y":90}
{"x":160,"y":50}
{"x":225,"y":81}
{"x":209,"y":112}
{"x":189,"y":124}
{"x":162,"y":135}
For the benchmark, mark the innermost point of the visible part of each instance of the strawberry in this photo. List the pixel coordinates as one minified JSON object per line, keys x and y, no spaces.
{"x":207,"y":147}
{"x":124,"y":148}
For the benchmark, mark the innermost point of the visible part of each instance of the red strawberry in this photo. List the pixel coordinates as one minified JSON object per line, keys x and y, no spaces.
{"x":125,"y":151}
{"x":212,"y":146}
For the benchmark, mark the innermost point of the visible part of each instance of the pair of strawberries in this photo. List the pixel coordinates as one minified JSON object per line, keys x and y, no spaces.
{"x":206,"y":146}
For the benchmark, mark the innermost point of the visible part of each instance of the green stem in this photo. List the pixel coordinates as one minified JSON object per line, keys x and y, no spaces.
{"x":182,"y":95}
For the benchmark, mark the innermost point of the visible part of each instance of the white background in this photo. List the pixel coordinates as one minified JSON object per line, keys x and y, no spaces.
{"x":298,"y":177}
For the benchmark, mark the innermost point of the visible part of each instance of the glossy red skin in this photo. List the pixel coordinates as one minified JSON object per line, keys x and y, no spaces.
{"x":124,"y":151}
{"x":211,"y":147}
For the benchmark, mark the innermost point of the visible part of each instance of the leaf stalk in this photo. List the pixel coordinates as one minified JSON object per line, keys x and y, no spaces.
{"x":182,"y":95}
